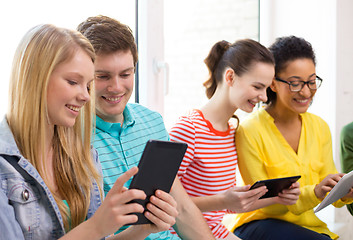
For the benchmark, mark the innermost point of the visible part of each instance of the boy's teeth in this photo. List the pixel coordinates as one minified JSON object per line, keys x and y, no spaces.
{"x":112,"y":98}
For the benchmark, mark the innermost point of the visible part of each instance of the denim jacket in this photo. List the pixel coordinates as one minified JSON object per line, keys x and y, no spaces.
{"x":27,"y":207}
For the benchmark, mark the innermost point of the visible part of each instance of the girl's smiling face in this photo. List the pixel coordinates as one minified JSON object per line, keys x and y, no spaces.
{"x":302,"y":69}
{"x":250,"y":88}
{"x":68,"y":89}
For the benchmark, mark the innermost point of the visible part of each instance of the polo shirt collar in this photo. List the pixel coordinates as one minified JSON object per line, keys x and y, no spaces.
{"x":129,"y":117}
{"x":109,"y":127}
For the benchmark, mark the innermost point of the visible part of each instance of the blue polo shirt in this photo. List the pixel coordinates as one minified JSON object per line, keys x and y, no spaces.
{"x":120,"y":147}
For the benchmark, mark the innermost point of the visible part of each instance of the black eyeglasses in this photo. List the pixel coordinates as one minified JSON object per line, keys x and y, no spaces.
{"x":297,"y":86}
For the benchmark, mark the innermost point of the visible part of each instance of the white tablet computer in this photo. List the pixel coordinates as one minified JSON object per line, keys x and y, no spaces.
{"x":338,"y":191}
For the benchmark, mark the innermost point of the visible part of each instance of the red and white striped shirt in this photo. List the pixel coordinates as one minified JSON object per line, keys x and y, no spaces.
{"x":209,"y":164}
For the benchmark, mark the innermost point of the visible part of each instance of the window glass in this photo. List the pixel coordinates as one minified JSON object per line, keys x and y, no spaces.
{"x":18,"y":16}
{"x":191,"y":29}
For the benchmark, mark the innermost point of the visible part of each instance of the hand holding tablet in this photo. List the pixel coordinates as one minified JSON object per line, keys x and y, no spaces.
{"x":275,"y":186}
{"x":338,"y":191}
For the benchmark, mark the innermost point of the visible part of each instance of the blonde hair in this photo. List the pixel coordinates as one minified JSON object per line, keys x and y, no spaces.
{"x":41,"y":50}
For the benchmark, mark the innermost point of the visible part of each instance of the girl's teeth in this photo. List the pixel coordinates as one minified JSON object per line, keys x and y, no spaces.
{"x":74,"y":108}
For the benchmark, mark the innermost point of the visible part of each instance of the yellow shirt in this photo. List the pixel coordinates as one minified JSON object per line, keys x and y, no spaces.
{"x":263,"y":153}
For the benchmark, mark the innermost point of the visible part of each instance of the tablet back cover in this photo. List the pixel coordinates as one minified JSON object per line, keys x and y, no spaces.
{"x":338,"y":191}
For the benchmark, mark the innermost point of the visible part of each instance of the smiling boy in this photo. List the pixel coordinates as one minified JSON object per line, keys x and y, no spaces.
{"x":122,"y":128}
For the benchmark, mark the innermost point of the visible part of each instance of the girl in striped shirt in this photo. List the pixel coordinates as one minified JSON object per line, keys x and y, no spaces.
{"x":239,"y":75}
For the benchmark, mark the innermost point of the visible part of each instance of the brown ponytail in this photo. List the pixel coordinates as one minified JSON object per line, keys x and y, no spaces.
{"x":211,"y":62}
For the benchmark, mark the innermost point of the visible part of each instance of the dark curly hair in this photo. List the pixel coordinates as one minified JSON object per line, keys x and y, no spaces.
{"x":284,"y":50}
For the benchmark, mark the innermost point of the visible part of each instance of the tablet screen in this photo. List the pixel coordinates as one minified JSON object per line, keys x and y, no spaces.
{"x":159,"y":164}
{"x":275,"y":186}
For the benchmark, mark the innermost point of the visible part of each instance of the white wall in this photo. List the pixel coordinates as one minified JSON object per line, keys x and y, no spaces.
{"x":344,"y":90}
{"x":327,"y":25}
{"x":344,"y":64}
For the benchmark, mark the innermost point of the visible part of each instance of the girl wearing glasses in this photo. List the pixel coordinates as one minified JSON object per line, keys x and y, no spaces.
{"x":283,"y":140}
